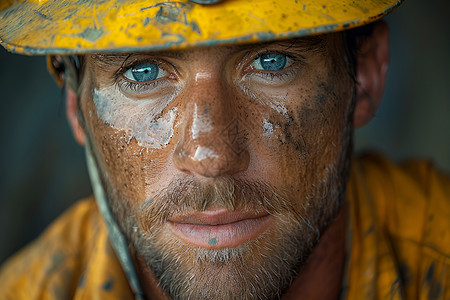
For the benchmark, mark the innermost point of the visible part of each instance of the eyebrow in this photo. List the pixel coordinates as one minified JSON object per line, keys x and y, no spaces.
{"x":311,"y":43}
{"x":122,"y":56}
{"x":110,"y":59}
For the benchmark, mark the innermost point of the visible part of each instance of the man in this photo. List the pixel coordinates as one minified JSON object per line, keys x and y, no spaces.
{"x":218,"y":140}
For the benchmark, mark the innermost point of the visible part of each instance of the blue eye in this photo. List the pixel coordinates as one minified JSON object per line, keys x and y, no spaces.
{"x":271,"y":62}
{"x":145,"y":72}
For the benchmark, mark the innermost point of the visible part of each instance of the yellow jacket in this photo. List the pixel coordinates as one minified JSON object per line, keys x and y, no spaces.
{"x":398,"y":243}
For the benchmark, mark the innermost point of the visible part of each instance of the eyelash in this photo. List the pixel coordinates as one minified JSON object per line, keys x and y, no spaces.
{"x":126,"y":84}
{"x":137,"y":87}
{"x":271,"y":75}
{"x":298,"y":61}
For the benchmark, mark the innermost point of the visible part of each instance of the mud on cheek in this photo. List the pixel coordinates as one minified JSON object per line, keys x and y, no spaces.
{"x":322,"y":120}
{"x":126,"y":164}
{"x":138,"y":118}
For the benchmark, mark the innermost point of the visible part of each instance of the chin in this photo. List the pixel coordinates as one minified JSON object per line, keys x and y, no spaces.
{"x":261,"y":268}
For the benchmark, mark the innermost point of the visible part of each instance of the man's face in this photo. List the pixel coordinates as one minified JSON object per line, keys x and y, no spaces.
{"x":222,"y":165}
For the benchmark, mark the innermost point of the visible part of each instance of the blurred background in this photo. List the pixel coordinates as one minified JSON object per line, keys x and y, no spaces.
{"x":43,"y":170}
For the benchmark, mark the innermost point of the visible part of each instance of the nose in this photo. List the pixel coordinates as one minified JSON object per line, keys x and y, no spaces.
{"x":213,"y":139}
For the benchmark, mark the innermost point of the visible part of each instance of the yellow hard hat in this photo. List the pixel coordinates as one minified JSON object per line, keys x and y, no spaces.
{"x":76,"y":27}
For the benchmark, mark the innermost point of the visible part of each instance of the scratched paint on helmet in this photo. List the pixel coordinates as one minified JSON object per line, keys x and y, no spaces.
{"x":54,"y":26}
{"x":138,"y":118}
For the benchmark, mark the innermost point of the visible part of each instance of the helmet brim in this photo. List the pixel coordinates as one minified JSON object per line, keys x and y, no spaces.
{"x":69,"y":27}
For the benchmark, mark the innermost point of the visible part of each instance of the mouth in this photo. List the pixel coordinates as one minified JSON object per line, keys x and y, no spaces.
{"x":218,"y":228}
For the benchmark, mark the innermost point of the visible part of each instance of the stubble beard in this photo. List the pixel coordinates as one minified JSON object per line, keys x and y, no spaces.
{"x":262,"y":268}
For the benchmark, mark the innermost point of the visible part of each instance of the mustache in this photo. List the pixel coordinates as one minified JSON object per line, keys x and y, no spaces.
{"x":187,"y":194}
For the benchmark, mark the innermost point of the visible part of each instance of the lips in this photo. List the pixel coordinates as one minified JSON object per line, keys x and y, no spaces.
{"x":218,"y":228}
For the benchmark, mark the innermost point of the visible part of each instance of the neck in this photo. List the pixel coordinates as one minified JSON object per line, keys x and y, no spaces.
{"x":320,"y":277}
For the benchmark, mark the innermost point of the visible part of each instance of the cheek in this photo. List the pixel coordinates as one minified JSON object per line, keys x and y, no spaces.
{"x":131,"y":170}
{"x":323,"y":120}
{"x":302,"y":143}
{"x":143,"y":120}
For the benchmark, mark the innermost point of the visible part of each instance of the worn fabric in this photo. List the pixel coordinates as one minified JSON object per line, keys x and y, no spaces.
{"x":398,"y":243}
{"x":400,"y":231}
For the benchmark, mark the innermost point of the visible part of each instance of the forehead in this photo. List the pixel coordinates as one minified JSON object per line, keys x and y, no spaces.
{"x":311,"y":44}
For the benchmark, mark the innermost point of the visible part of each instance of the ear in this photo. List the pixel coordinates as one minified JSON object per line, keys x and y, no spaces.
{"x":72,"y":115}
{"x":372,"y":65}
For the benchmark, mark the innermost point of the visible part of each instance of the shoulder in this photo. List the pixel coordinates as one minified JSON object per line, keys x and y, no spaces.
{"x":51,"y":265}
{"x":408,"y":196}
{"x":409,"y":205}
